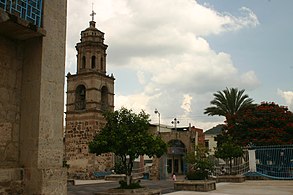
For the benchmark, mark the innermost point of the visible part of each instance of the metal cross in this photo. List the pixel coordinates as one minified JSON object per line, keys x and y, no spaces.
{"x":93,"y":13}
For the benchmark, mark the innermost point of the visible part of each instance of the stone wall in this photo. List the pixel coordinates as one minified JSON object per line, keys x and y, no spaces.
{"x":11,"y":57}
{"x":31,"y":106}
{"x":10,"y":90}
{"x":80,"y":130}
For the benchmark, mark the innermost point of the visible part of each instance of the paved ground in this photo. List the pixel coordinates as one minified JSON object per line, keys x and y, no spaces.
{"x":268,"y":187}
{"x":165,"y":185}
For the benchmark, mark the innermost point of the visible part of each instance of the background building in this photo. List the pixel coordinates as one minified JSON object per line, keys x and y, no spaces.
{"x":210,"y":136}
{"x":32,"y":64}
{"x":180,"y":141}
{"x":90,"y":92}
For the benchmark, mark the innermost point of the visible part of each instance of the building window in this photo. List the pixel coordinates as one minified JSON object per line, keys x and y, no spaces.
{"x":93,"y":62}
{"x":104,"y":101}
{"x":206,"y":143}
{"x":27,"y":10}
{"x":83,"y":62}
{"x":80,"y":94}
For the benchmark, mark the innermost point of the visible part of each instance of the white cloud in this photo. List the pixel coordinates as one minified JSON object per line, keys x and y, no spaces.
{"x":288,"y":97}
{"x":163,"y":41}
{"x":186,"y":103}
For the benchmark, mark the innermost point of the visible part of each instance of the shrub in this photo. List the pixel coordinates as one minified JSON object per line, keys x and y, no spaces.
{"x":133,"y":185}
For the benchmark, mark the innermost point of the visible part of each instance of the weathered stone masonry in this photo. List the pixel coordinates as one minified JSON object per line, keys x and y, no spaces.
{"x":32,"y":68}
{"x":90,"y":92}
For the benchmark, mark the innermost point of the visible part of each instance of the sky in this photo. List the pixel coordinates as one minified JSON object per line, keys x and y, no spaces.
{"x":173,"y":55}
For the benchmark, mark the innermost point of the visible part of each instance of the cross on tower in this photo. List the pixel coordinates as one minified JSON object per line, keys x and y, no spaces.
{"x":93,"y":13}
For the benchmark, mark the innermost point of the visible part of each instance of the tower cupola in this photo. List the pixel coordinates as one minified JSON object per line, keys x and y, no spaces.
{"x":91,"y":50}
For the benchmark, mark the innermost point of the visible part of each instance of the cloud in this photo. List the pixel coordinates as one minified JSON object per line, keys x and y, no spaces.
{"x":288,"y":97}
{"x":186,"y":103}
{"x":164,"y":43}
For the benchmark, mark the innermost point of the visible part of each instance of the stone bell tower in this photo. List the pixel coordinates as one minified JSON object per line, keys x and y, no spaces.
{"x":89,"y":92}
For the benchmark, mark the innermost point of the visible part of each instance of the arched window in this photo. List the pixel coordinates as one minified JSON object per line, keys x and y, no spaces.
{"x":80,"y":94}
{"x":102,"y":63}
{"x":83,"y":62}
{"x":104,"y":100}
{"x":93,"y":62}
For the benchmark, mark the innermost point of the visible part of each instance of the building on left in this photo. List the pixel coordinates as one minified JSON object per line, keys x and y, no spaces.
{"x":32,"y":65}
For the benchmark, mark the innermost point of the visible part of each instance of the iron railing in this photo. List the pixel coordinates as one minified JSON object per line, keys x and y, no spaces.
{"x":30,"y":10}
{"x":275,"y":161}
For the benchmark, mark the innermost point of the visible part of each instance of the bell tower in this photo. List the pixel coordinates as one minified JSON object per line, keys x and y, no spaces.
{"x":90,"y":92}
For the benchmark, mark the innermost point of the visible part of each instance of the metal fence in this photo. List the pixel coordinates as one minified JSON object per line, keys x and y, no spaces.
{"x":275,"y":162}
{"x":240,"y":165}
{"x":30,"y":10}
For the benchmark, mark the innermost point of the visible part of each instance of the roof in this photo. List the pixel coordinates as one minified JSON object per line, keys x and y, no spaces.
{"x":215,"y":130}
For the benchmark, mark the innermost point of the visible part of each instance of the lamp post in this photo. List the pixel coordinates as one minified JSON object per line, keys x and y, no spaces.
{"x":159,"y":114}
{"x":175,"y":122}
{"x":161,"y":160}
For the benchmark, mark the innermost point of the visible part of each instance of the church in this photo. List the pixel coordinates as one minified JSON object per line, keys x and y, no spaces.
{"x":90,"y":92}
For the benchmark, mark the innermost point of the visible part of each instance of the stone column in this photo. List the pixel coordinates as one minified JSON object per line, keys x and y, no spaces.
{"x":42,"y":104}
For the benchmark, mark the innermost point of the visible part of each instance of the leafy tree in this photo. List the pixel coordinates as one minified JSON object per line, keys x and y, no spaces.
{"x":228,"y":102}
{"x":126,"y":135}
{"x":265,"y":124}
{"x":228,"y":150}
{"x":200,"y":162}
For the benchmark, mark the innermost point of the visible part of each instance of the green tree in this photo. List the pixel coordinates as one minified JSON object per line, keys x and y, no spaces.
{"x":228,"y":150}
{"x":228,"y":102}
{"x":126,"y":135}
{"x":265,"y":124}
{"x":200,"y":163}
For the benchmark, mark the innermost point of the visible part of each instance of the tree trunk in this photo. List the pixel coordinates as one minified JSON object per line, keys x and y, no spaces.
{"x":128,"y":179}
{"x":230,"y":166}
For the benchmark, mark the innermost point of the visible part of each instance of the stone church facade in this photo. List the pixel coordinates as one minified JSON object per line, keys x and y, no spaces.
{"x":32,"y":68}
{"x":90,"y":92}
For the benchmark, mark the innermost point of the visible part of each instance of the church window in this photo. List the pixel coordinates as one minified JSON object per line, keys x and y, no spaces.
{"x":104,"y":101}
{"x":93,"y":62}
{"x":80,"y":94}
{"x":102,"y":63}
{"x":83,"y":62}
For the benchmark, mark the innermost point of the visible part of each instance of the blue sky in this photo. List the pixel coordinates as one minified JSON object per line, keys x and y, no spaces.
{"x":173,"y":55}
{"x":267,"y":49}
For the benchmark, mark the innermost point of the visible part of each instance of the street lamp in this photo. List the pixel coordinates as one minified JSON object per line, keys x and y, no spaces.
{"x":175,"y":122}
{"x":159,"y":114}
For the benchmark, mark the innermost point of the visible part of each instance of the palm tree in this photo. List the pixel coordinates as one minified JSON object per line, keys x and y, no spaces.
{"x":228,"y":102}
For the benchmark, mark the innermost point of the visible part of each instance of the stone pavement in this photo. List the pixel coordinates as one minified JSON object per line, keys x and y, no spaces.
{"x":255,"y":187}
{"x":251,"y":187}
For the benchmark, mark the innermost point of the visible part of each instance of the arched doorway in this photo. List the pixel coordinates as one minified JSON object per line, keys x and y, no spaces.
{"x":175,"y":157}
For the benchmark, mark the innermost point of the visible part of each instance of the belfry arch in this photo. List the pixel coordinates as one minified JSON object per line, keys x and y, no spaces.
{"x":93,"y":62}
{"x":104,"y":98}
{"x":80,"y":97}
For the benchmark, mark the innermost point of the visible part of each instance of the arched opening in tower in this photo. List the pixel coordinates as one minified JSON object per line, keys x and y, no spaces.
{"x":104,"y":101}
{"x":93,"y":62}
{"x":80,"y":95}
